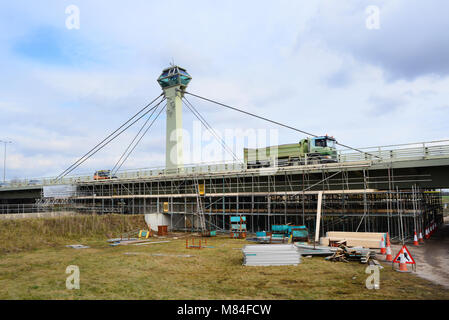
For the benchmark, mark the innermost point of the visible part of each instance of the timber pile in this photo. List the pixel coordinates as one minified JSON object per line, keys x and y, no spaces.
{"x":346,"y":254}
{"x":354,"y":239}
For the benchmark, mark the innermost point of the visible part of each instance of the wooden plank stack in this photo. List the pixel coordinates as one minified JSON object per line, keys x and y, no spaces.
{"x":354,"y":239}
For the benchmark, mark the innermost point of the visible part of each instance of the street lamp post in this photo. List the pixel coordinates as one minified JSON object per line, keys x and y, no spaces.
{"x":4,"y":159}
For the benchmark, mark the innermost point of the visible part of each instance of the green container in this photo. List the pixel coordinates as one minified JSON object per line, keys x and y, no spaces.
{"x":300,"y":233}
{"x":238,"y":218}
{"x":279,"y":228}
{"x":291,"y":228}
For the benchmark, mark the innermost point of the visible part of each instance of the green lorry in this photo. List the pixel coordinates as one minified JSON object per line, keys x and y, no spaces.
{"x":307,"y":151}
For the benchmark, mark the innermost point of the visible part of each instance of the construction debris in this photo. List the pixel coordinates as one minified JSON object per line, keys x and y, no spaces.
{"x":150,"y":242}
{"x":77,"y":246}
{"x":346,"y":254}
{"x":159,"y":254}
{"x":121,"y":239}
{"x":126,"y":242}
{"x":311,"y":250}
{"x":199,"y":246}
{"x":212,"y":233}
{"x":271,"y":255}
{"x":374,"y":262}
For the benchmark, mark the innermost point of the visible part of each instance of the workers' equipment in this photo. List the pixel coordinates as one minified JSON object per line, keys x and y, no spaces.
{"x":144,"y":234}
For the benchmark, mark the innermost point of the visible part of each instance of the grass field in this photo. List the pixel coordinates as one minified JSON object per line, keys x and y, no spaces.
{"x":106,"y":272}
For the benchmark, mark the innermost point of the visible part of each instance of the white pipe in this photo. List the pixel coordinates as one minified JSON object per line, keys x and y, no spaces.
{"x":318,"y":216}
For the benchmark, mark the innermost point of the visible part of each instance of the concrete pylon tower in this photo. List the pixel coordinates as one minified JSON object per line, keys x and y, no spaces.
{"x":173,"y":81}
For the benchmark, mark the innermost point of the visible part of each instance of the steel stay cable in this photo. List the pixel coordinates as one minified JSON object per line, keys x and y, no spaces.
{"x":209,"y":127}
{"x":135,"y":137}
{"x":275,"y":122}
{"x":140,"y":111}
{"x":112,"y":138}
{"x":118,"y":134}
{"x":129,"y":153}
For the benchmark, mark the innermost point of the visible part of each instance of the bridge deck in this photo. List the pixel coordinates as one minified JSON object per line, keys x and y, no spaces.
{"x":416,"y":155}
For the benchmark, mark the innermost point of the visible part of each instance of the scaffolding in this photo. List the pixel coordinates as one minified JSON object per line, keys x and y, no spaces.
{"x":352,"y":200}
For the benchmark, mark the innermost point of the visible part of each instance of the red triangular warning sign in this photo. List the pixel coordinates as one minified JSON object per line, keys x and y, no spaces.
{"x":408,"y":257}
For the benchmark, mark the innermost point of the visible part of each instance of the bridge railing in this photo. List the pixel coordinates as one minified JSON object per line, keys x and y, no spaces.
{"x":399,"y":152}
{"x":192,"y":168}
{"x":411,"y":151}
{"x":28,"y":208}
{"x":130,"y":174}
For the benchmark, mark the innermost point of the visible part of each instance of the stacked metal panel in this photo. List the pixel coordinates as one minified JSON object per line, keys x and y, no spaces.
{"x":271,"y":255}
{"x":310,"y":250}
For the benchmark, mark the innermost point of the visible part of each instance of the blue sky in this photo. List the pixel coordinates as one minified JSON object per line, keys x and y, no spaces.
{"x":313,"y":65}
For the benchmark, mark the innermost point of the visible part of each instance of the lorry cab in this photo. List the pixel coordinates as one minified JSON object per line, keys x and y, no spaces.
{"x":323,"y":148}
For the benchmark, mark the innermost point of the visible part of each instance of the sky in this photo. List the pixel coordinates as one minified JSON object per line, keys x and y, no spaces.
{"x":319,"y":66}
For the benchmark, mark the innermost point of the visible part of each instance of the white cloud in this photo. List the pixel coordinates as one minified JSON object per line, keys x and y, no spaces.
{"x":312,"y":65}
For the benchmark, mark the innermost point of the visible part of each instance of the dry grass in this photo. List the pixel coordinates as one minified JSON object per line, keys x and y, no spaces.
{"x":214,"y":273}
{"x":28,"y":234}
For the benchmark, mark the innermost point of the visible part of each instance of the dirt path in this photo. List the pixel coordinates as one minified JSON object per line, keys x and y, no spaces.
{"x":432,"y":258}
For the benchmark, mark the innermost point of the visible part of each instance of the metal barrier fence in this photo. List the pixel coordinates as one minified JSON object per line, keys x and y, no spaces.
{"x":391,"y":153}
{"x":400,"y":152}
{"x":30,"y":208}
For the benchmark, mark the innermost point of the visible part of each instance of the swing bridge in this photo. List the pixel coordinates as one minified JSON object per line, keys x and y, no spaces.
{"x":379,"y":189}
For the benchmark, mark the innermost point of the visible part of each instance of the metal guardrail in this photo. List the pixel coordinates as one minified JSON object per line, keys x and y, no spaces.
{"x":28,"y":208}
{"x":391,"y":153}
{"x":398,"y":155}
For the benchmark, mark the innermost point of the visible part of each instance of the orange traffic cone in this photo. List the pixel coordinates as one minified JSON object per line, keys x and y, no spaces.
{"x":389,"y":257}
{"x":427,"y":233}
{"x":420,"y":239}
{"x":382,"y":246}
{"x":402,"y":264}
{"x":415,"y":240}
